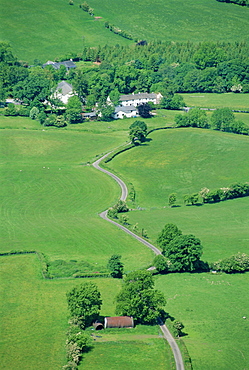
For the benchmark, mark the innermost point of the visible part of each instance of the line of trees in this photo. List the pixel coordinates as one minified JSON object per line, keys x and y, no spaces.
{"x":222,"y":119}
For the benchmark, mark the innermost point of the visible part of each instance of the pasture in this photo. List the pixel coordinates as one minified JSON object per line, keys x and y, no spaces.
{"x":183,"y":161}
{"x":34,"y":314}
{"x":227,"y":100}
{"x":212,"y":308}
{"x":51,"y":198}
{"x":47,"y":30}
{"x":126,"y":348}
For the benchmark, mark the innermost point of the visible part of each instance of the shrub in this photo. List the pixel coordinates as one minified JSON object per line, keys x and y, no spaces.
{"x":237,"y":263}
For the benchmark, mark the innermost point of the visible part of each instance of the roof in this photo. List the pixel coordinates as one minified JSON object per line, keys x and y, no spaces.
{"x":125,"y":109}
{"x":90,"y":114}
{"x":137,"y":96}
{"x":119,"y":322}
{"x":64,"y":87}
{"x":56,"y":65}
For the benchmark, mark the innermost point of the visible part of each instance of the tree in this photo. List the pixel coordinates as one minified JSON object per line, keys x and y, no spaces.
{"x":144,"y":110}
{"x":138,"y":298}
{"x":107,"y":112}
{"x":178,"y":326}
{"x":115,"y":266}
{"x":160,"y":263}
{"x":84,"y":302}
{"x":184,"y":252}
{"x":34,"y":112}
{"x":74,"y":109}
{"x":121,"y":206}
{"x":172,"y":199}
{"x":168,"y":233}
{"x":175,"y":102}
{"x":222,"y":119}
{"x":138,"y":131}
{"x":35,"y":88}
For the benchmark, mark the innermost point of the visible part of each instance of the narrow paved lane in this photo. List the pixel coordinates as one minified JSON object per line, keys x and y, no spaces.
{"x":173,"y":345}
{"x":165,"y":330}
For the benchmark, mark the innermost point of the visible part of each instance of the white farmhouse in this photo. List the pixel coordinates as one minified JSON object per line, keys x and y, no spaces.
{"x":140,"y":98}
{"x":126,"y":111}
{"x":63,"y":91}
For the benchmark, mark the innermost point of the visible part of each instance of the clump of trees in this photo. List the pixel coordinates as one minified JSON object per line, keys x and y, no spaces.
{"x":118,"y":31}
{"x":86,"y":8}
{"x":84,"y":302}
{"x":139,"y":299}
{"x":233,"y":191}
{"x":181,"y":252}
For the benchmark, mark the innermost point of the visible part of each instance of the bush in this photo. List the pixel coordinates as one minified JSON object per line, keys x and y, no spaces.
{"x":34,"y":112}
{"x":161,"y":263}
{"x":121,"y":207}
{"x":236,"y":263}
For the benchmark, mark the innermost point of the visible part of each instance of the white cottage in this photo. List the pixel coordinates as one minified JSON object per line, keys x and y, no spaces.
{"x":64,"y":91}
{"x":125,"y":111}
{"x":140,"y":98}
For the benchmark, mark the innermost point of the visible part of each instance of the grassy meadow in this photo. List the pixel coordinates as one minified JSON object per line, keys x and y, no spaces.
{"x":208,"y":100}
{"x":51,"y":198}
{"x":125,"y":349}
{"x":212,"y":308}
{"x":183,"y":161}
{"x":46,"y":30}
{"x":34,"y":314}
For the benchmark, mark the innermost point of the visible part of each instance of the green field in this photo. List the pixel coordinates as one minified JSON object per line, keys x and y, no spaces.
{"x":228,"y":100}
{"x":183,"y":161}
{"x":51,"y":199}
{"x":46,"y":30}
{"x":34,"y":314}
{"x":55,"y":210}
{"x":126,"y":348}
{"x":212,"y":308}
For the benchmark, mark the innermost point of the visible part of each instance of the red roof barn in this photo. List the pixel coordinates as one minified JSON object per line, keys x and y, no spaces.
{"x":119,"y":322}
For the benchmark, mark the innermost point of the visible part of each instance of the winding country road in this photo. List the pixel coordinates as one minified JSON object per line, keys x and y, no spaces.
{"x":124,"y":194}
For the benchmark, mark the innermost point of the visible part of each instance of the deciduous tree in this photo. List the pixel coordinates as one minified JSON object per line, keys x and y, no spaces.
{"x":184,"y":252}
{"x":138,"y":298}
{"x":84,"y":302}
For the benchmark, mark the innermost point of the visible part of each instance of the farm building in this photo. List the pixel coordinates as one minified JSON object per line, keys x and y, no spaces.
{"x":69,"y":64}
{"x":140,"y":98}
{"x":119,"y":322}
{"x":128,"y":112}
{"x":64,"y":91}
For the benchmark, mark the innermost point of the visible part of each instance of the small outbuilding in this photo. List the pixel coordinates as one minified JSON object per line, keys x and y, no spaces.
{"x":119,"y":322}
{"x":98,"y":326}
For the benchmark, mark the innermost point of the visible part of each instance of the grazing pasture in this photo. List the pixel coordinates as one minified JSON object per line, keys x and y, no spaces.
{"x":212,"y":308}
{"x":228,"y":100}
{"x":34,"y":314}
{"x":126,"y":349}
{"x":49,"y":29}
{"x":183,"y":161}
{"x":51,"y":198}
